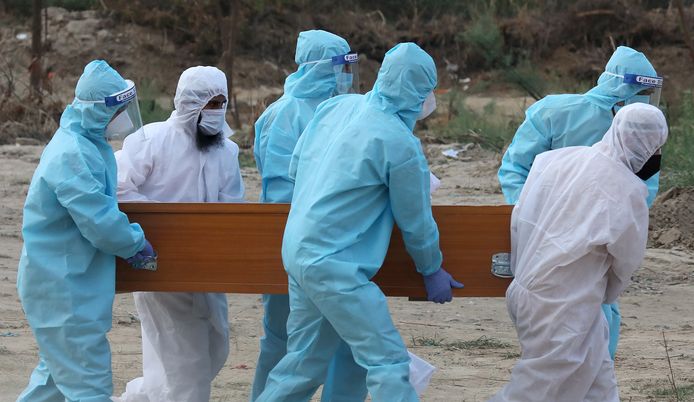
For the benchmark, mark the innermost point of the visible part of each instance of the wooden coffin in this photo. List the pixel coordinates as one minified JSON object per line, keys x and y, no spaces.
{"x":236,"y":248}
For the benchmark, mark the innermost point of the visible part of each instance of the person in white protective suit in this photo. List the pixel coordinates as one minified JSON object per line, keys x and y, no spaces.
{"x":578,"y":233}
{"x":187,"y":158}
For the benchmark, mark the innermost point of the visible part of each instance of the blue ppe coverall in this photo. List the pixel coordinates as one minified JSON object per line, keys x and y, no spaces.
{"x":276,"y":133}
{"x":72,"y":232}
{"x":358,"y":169}
{"x":559,"y":121}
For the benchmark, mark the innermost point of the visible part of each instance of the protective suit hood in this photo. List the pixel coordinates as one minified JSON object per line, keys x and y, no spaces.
{"x":406,"y":77}
{"x":315,"y":79}
{"x":611,"y":89}
{"x":98,"y":81}
{"x":196,"y":87}
{"x":637,"y":131}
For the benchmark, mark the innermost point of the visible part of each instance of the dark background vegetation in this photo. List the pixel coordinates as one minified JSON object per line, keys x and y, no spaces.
{"x":482,"y":47}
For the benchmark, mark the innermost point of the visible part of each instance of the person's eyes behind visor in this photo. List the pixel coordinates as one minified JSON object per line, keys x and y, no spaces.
{"x":121,"y":110}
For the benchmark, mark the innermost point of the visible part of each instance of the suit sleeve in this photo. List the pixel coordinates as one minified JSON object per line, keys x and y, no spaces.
{"x":135,"y":163}
{"x":408,"y":185}
{"x":232,"y":188}
{"x":530,"y":140}
{"x":95,"y":213}
{"x":294,"y":163}
{"x":627,"y":249}
{"x":277,"y":186}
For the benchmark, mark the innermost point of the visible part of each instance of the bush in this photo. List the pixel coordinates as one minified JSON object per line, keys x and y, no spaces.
{"x":678,"y":162}
{"x":483,"y":38}
{"x":151,"y":111}
{"x":490,"y":128}
{"x":526,"y":77}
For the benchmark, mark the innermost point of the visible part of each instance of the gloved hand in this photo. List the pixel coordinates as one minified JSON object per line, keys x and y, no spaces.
{"x":145,"y":258}
{"x":439,"y":286}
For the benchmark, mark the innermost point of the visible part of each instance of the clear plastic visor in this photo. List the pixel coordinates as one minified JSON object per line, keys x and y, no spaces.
{"x":126,"y":102}
{"x":653,"y":95}
{"x":652,"y":88}
{"x":346,"y":68}
{"x":132,"y":111}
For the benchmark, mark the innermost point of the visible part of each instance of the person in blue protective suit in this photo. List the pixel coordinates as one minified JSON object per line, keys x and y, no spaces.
{"x":357,"y":170}
{"x":72,"y":230}
{"x":559,"y":121}
{"x":276,"y":133}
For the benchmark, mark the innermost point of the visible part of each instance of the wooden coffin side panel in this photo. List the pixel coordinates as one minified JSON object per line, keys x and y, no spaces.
{"x":230,"y":248}
{"x":236,"y":248}
{"x":469,"y":236}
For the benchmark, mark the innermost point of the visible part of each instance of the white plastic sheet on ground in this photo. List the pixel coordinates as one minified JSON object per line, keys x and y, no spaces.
{"x":420,"y":373}
{"x":434,"y":183}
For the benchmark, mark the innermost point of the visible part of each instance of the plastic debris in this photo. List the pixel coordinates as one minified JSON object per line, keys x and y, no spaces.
{"x":420,"y":373}
{"x":451,"y":153}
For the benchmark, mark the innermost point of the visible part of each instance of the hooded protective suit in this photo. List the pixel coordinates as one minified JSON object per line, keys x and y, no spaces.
{"x":72,"y":230}
{"x":578,"y":233}
{"x":185,"y":336}
{"x":358,"y":169}
{"x":559,"y":121}
{"x":276,"y":133}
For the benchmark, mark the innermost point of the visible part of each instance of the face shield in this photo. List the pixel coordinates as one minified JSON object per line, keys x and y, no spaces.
{"x":127,"y":119}
{"x":651,"y":88}
{"x":346,"y":69}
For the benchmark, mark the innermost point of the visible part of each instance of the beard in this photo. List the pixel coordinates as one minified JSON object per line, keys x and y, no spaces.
{"x":205,"y":142}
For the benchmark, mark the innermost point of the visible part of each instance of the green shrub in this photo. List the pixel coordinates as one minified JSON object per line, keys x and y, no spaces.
{"x":484,"y":39}
{"x":678,"y":152}
{"x":147,"y":95}
{"x":526,"y":77}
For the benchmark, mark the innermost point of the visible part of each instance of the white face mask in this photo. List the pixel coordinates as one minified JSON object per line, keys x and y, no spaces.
{"x":119,"y":126}
{"x":212,"y":121}
{"x":428,"y":106}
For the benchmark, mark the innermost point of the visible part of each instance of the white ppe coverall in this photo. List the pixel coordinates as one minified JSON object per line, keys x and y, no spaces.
{"x":578,"y":233}
{"x":185,"y":336}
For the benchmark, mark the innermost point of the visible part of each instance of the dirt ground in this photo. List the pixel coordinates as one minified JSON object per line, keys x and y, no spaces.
{"x":471,"y":341}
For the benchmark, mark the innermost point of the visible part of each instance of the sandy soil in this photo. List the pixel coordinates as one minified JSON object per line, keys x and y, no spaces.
{"x":471,"y":341}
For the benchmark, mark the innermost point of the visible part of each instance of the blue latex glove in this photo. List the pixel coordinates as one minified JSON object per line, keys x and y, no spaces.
{"x":145,"y":258}
{"x":439,"y":286}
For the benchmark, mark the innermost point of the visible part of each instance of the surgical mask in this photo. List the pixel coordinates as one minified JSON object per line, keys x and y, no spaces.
{"x":212,"y":121}
{"x":651,"y":167}
{"x":120,"y":124}
{"x":428,"y":106}
{"x":344,"y":83}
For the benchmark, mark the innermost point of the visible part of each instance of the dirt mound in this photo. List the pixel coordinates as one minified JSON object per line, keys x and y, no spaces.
{"x":672,"y":219}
